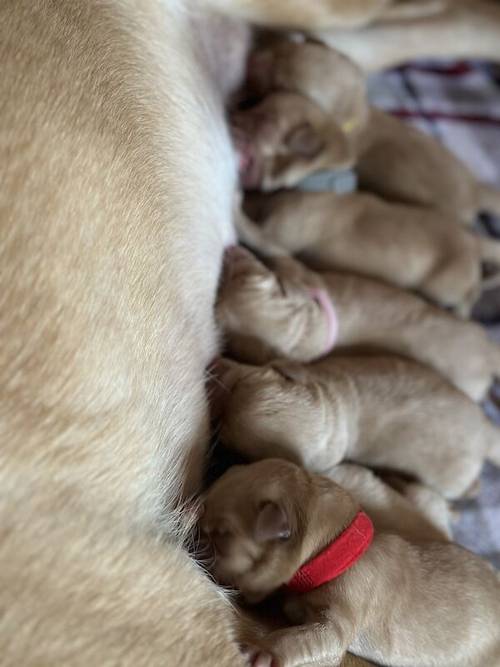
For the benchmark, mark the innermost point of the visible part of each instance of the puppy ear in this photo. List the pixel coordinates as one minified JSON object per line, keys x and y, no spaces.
{"x":272,"y":523}
{"x":304,"y":140}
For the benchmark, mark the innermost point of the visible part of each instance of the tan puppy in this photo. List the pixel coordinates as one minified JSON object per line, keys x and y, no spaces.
{"x":398,"y":601}
{"x":312,"y":98}
{"x":115,"y":155}
{"x":297,"y":314}
{"x":408,"y":246}
{"x":392,"y":158}
{"x":401,"y":163}
{"x":379,"y":411}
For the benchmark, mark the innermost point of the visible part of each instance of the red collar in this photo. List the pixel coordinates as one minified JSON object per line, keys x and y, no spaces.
{"x":339,"y":556}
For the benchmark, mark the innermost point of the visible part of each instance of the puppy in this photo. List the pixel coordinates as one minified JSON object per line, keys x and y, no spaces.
{"x":379,"y":411}
{"x":392,"y":158}
{"x":403,"y":164}
{"x":358,"y":568}
{"x":408,"y":246}
{"x":297,"y":314}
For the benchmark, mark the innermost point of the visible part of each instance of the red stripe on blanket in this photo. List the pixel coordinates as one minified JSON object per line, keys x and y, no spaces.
{"x":473,"y":119}
{"x":460,"y":68}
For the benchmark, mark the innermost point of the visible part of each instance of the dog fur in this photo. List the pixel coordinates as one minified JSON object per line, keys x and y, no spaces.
{"x":465,"y":29}
{"x":267,"y":314}
{"x":337,"y":128}
{"x":380,"y":411}
{"x":407,"y":246}
{"x":267,"y":519}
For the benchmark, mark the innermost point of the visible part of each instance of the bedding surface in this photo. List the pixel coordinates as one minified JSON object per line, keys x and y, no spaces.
{"x":458,"y":103}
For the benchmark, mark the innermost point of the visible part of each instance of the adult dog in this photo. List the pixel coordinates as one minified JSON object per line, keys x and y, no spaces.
{"x":118,"y":178}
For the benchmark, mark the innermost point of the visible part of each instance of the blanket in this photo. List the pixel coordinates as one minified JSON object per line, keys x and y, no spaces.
{"x":458,"y":103}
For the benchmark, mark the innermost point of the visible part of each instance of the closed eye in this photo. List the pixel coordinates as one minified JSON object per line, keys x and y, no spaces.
{"x":281,"y":287}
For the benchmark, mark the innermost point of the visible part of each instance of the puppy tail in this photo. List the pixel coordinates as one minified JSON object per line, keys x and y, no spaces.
{"x":489,"y":199}
{"x":253,"y":236}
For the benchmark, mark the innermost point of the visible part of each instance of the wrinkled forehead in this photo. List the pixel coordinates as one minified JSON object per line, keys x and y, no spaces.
{"x":243,"y":274}
{"x":231,"y":493}
{"x":291,"y":108}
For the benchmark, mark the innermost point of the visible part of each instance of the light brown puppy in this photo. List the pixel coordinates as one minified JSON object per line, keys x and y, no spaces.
{"x":401,"y":163}
{"x":295,"y":313}
{"x":412,"y":599}
{"x":392,"y":158}
{"x":380,"y":411}
{"x":408,"y":246}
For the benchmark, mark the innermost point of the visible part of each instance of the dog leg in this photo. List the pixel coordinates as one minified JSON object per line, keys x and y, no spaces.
{"x":466,"y":30}
{"x":304,"y":16}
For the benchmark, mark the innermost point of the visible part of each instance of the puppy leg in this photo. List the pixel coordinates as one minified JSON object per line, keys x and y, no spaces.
{"x":430,"y":503}
{"x":322,"y":644}
{"x":463,"y":31}
{"x":304,"y":16}
{"x":455,"y":284}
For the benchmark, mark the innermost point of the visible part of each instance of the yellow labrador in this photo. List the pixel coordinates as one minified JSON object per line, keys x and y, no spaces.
{"x":295,"y":313}
{"x":314,"y":115}
{"x":118,"y":178}
{"x":408,"y":246}
{"x":359,"y":567}
{"x":381,"y":411}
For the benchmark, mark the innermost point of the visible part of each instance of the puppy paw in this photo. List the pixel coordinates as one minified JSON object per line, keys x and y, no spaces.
{"x":257,"y":658}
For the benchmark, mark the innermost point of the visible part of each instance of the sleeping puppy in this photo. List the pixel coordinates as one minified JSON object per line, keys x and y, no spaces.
{"x":392,"y":158}
{"x":382,"y":411}
{"x":401,"y":163}
{"x":300,"y":315}
{"x":408,"y":246}
{"x":357,"y":566}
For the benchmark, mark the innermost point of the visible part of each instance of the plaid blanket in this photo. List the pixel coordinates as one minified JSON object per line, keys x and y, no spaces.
{"x":459,"y":104}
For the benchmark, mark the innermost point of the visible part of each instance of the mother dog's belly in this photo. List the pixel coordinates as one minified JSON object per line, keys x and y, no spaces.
{"x":116,"y":206}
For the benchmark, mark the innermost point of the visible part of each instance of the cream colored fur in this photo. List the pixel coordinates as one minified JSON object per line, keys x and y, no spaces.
{"x":408,"y":246}
{"x":413,"y":599}
{"x":319,"y":92}
{"x":117,"y":190}
{"x":267,"y":314}
{"x":377,"y":410}
{"x":107,"y":327}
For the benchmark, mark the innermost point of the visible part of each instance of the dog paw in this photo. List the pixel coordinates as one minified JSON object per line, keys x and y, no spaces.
{"x":256,"y":657}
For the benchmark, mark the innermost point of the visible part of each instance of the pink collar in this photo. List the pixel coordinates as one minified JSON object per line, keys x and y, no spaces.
{"x":339,"y":556}
{"x":322,"y":297}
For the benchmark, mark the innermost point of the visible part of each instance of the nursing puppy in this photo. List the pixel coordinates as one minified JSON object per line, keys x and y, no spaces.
{"x":381,"y":411}
{"x":395,"y":595}
{"x":297,"y":314}
{"x":392,"y":158}
{"x":312,"y":97}
{"x":408,"y":246}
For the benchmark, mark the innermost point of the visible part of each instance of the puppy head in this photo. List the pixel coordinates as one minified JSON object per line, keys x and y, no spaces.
{"x":266,"y":519}
{"x":285,"y":138}
{"x":280,"y":409}
{"x":267,"y":314}
{"x":317,"y":72}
